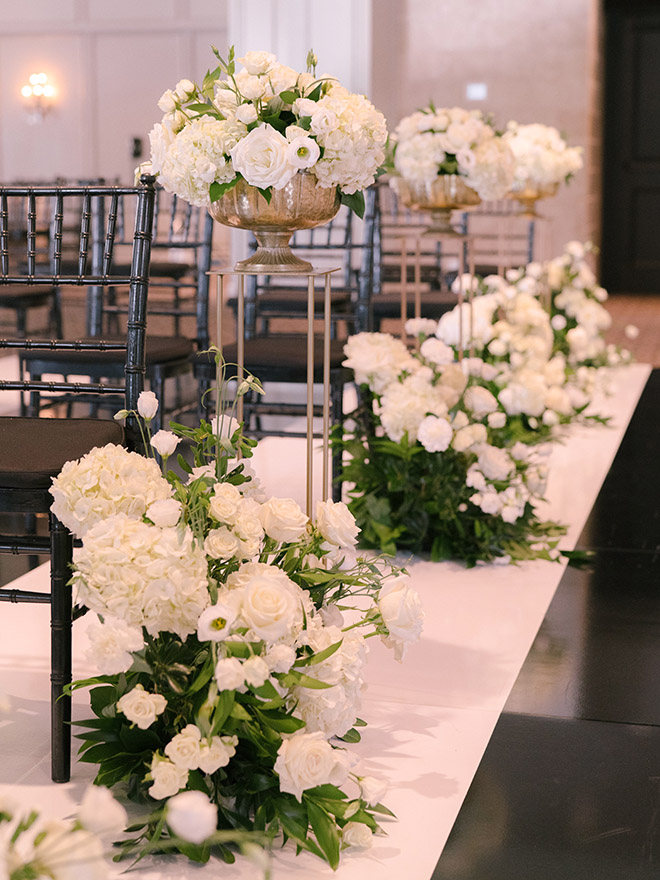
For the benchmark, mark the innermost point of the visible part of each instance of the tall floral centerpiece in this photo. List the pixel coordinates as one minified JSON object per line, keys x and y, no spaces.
{"x":231,"y":640}
{"x":268,"y":148}
{"x":543,"y":160}
{"x":449,"y":158}
{"x":436,"y":464}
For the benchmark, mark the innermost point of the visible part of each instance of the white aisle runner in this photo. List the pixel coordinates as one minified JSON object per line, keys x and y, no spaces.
{"x":430,"y":718}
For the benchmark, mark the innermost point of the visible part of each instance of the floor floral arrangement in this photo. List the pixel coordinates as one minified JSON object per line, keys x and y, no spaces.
{"x":231,"y":641}
{"x":447,"y":452}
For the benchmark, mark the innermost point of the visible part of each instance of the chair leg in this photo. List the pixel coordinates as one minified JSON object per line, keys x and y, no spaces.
{"x":337,"y":404}
{"x":61,"y":557}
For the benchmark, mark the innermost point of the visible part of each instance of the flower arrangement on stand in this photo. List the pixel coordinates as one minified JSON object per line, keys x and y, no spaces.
{"x":433,"y":143}
{"x":231,"y":640}
{"x":543,"y":160}
{"x":435,"y":463}
{"x":264,"y":122}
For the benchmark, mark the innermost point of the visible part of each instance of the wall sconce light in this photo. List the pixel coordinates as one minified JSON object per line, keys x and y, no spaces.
{"x":39,"y":95}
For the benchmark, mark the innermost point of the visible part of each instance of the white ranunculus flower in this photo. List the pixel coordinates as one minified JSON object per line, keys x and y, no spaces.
{"x":141,"y":707}
{"x":168,"y":779}
{"x":402,"y":613}
{"x":306,"y":760}
{"x":229,"y":673}
{"x":217,"y":753}
{"x":262,"y":158}
{"x":100,"y":813}
{"x":112,"y":643}
{"x":184,"y":748}
{"x":165,"y":442}
{"x":164,"y":513}
{"x":336,"y":523}
{"x":147,"y":405}
{"x":192,"y":816}
{"x":357,"y":835}
{"x":283,"y":520}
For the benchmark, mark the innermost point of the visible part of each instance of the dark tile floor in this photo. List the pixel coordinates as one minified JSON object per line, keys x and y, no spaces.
{"x":569,"y":786}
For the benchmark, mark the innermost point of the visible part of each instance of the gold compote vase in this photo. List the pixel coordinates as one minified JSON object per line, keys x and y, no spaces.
{"x":301,"y":204}
{"x":527,"y":194}
{"x":447,"y":193}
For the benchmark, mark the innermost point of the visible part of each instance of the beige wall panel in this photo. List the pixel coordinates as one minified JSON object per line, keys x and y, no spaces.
{"x":132,"y":11}
{"x":58,"y":145}
{"x":28,"y":12}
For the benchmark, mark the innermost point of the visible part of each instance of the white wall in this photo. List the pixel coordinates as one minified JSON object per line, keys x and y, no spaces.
{"x":110,"y":62}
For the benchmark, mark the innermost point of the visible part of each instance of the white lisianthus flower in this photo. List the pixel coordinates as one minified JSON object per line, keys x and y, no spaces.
{"x":147,"y":405}
{"x":331,"y":616}
{"x":262,"y":158}
{"x":184,"y":88}
{"x":141,"y":707}
{"x":168,"y":779}
{"x":112,"y":643}
{"x":217,"y":753}
{"x":305,"y":760}
{"x":336,"y":523}
{"x":256,"y":62}
{"x":255,"y":671}
{"x":246,"y":113}
{"x":184,"y":748}
{"x":402,"y":613}
{"x":283,"y":520}
{"x":215,"y":623}
{"x":229,"y":674}
{"x":372,"y":789}
{"x":100,"y":813}
{"x":356,"y":835}
{"x":303,"y":152}
{"x":65,"y":854}
{"x":192,"y":816}
{"x":435,"y":434}
{"x":165,"y":442}
{"x":164,"y":513}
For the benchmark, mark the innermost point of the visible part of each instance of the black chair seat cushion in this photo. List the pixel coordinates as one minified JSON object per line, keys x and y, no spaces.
{"x":173,"y":269}
{"x":295,"y":300}
{"x":276,"y":358}
{"x":433,"y":305}
{"x":160,"y":350}
{"x":35,"y":450}
{"x":12,"y":296}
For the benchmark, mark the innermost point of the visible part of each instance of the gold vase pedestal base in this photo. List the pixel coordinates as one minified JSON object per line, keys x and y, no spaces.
{"x":529,"y":195}
{"x":273,"y":255}
{"x":445,"y":194}
{"x":441,"y":224}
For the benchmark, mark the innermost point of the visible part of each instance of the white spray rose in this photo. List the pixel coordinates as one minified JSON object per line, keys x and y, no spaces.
{"x":192,"y":816}
{"x":147,"y":405}
{"x":402,"y":612}
{"x":357,"y":835}
{"x":217,"y":753}
{"x":168,"y":779}
{"x":141,"y":707}
{"x":184,"y":748}
{"x":283,"y":520}
{"x":306,"y":760}
{"x":336,"y":523}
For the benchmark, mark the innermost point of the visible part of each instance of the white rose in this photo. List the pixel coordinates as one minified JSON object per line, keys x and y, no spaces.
{"x":283,"y":520}
{"x":255,"y":671}
{"x":183,"y":749}
{"x":402,"y":613}
{"x":168,"y":779}
{"x":271,"y":603}
{"x":192,"y":816}
{"x":100,"y":813}
{"x":336,"y":523}
{"x":165,"y":442}
{"x":141,"y":707}
{"x":164,"y":513}
{"x":147,"y":405}
{"x":184,"y":88}
{"x":306,"y":760}
{"x":224,"y":503}
{"x":217,"y":753}
{"x":214,"y":624}
{"x":262,"y":158}
{"x":357,"y":835}
{"x":257,"y":62}
{"x":167,"y":101}
{"x":221,"y":543}
{"x":229,"y":673}
{"x":303,"y":152}
{"x":246,"y":113}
